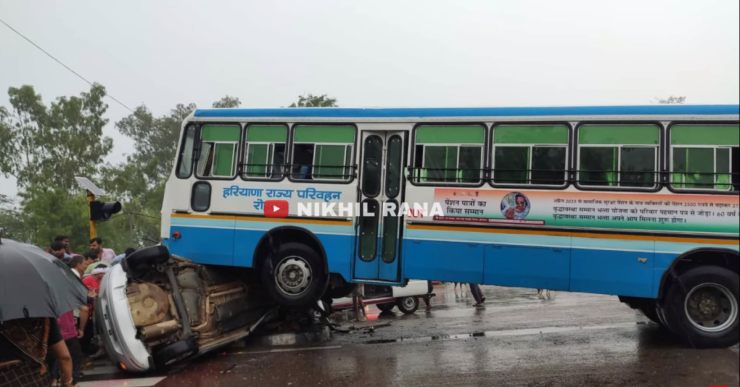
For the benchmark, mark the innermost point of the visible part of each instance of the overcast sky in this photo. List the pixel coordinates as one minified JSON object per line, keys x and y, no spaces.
{"x":374,"y":53}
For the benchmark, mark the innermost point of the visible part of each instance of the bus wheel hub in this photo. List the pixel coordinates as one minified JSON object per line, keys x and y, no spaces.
{"x":293,"y":275}
{"x":711,"y":307}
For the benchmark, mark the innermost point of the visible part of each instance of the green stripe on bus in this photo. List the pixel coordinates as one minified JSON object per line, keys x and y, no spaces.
{"x":705,"y":135}
{"x":618,"y":134}
{"x":344,"y":134}
{"x":450,"y":134}
{"x":267,"y":133}
{"x":220,"y":133}
{"x":530,"y":134}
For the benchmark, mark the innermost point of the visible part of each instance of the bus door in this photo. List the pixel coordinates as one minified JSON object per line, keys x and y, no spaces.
{"x":377,"y":253}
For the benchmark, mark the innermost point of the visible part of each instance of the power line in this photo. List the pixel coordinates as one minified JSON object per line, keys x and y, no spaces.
{"x":62,"y":63}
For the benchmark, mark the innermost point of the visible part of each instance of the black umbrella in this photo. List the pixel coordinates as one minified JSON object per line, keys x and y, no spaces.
{"x":35,"y":284}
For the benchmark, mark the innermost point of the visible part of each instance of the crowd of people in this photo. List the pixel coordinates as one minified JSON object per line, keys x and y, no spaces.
{"x":63,"y":344}
{"x":77,"y":327}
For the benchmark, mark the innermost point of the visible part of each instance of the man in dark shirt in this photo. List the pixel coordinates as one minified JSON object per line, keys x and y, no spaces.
{"x":23,"y":348}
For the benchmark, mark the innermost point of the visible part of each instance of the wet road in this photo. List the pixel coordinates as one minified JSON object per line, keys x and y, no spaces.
{"x":517,"y":339}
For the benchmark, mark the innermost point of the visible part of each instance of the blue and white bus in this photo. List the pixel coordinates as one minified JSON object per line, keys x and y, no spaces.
{"x":635,"y":201}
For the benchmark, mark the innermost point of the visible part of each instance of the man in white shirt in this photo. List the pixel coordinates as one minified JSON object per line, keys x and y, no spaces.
{"x":105,"y":255}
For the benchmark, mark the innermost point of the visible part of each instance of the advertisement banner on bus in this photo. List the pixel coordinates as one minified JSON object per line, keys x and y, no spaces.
{"x":611,"y":210}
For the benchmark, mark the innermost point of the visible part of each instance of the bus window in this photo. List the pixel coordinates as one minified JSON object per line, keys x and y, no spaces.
{"x":448,"y":153}
{"x":618,"y":155}
{"x":704,"y":157}
{"x":530,"y":154}
{"x":323,"y":152}
{"x":185,"y":161}
{"x":218,"y":148}
{"x":264,"y":157}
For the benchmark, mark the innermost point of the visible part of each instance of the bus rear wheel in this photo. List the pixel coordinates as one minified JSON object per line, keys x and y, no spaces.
{"x":294,"y":275}
{"x":701,"y":307}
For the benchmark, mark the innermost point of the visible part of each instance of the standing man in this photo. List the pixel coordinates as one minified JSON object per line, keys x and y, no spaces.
{"x":477,"y":295}
{"x":24,"y":344}
{"x":92,"y":282}
{"x":104,"y":254}
{"x":57,"y":249}
{"x":64,"y":240}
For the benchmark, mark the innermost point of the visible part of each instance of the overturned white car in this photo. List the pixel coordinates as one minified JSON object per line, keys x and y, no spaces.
{"x":155,"y":309}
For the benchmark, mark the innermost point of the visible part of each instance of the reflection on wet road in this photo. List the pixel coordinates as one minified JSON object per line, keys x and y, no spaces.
{"x":518,"y":339}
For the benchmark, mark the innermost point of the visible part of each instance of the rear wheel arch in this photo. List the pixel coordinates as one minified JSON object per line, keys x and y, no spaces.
{"x":708,"y":256}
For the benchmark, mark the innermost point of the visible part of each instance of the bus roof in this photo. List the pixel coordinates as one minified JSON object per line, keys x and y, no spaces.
{"x":636,"y":110}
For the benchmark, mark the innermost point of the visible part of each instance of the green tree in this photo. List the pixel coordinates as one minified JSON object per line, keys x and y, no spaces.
{"x":44,"y":148}
{"x":227,"y":102}
{"x":11,"y":221}
{"x":310,"y":100}
{"x":56,"y":142}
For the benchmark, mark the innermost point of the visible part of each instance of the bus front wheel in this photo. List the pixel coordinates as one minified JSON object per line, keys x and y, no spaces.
{"x":701,"y":307}
{"x":294,"y":275}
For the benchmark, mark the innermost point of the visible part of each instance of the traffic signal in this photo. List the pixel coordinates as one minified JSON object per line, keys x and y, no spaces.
{"x":101,"y":211}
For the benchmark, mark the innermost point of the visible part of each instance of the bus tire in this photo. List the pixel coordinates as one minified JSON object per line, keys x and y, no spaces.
{"x":650,"y":311}
{"x":294,"y":275}
{"x":701,"y":307}
{"x":408,"y":305}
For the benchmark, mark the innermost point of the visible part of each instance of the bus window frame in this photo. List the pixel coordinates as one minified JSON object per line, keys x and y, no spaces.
{"x":353,"y":167}
{"x":669,"y":158}
{"x":179,"y":150}
{"x":568,"y":153}
{"x":659,"y":152}
{"x":484,"y":170}
{"x":237,"y":153}
{"x":244,"y":144}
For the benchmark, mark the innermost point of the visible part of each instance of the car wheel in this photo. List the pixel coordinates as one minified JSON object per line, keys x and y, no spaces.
{"x":408,"y":305}
{"x":145,"y":258}
{"x":174,"y":352}
{"x":294,"y":275}
{"x":701,"y":307}
{"x":386,"y":307}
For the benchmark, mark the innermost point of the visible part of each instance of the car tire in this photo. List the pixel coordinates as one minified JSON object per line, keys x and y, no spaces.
{"x":386,"y":307}
{"x":175,"y":352}
{"x":145,"y":258}
{"x":701,"y":307}
{"x":408,"y":305}
{"x":294,"y":275}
